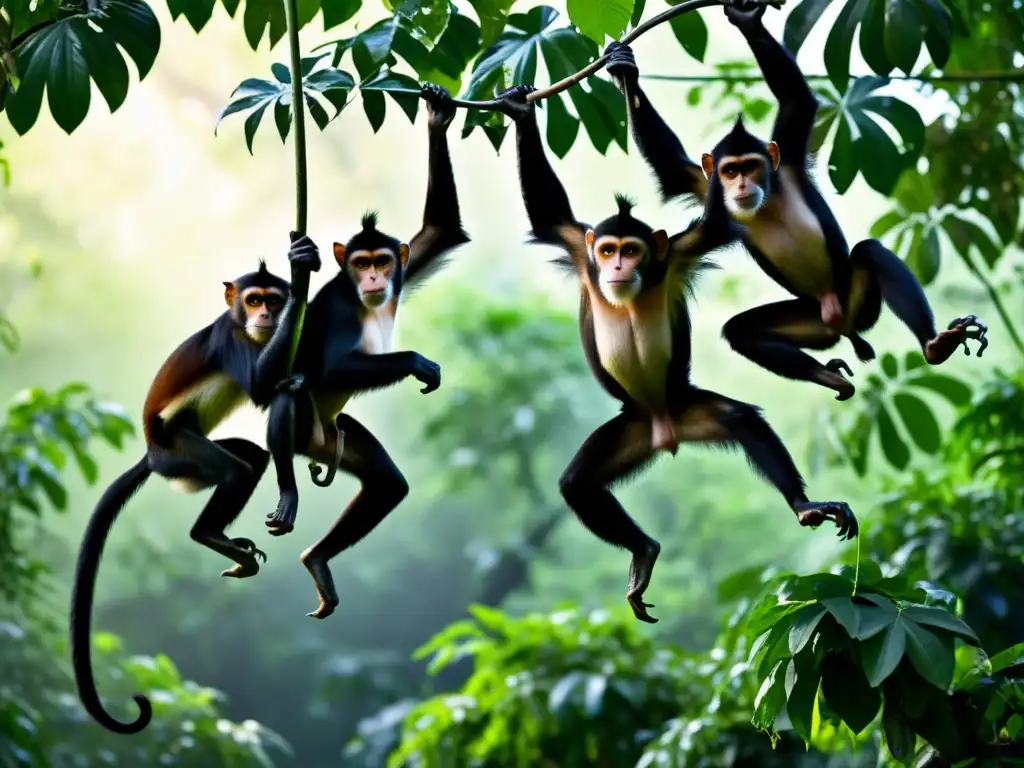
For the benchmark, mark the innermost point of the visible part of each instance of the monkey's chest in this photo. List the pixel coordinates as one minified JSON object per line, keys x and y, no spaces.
{"x":636,"y":351}
{"x":378,"y":332}
{"x":788,"y":234}
{"x":212,"y":400}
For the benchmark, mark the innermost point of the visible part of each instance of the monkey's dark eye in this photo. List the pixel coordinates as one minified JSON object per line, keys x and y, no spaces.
{"x":629,"y":250}
{"x":274,"y":302}
{"x":608,"y":249}
{"x":253,"y":300}
{"x":381,"y":261}
{"x":361,"y":263}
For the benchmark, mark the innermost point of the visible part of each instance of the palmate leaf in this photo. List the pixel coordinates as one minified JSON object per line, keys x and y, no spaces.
{"x":66,"y":55}
{"x":861,"y":145}
{"x":599,"y":20}
{"x":258,"y":95}
{"x":891,"y":33}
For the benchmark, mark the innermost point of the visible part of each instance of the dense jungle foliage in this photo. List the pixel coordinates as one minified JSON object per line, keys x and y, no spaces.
{"x":905,"y":646}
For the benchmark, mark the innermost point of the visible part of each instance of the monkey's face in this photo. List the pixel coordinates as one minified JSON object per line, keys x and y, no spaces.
{"x":619,"y":262}
{"x":372,"y":273}
{"x":745,"y":179}
{"x":261,"y":308}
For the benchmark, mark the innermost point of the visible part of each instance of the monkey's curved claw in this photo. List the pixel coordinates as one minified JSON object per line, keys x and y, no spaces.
{"x":640,"y":609}
{"x":814,"y":513}
{"x":250,"y":545}
{"x":973,"y":328}
{"x":845,"y":390}
{"x":837,"y":365}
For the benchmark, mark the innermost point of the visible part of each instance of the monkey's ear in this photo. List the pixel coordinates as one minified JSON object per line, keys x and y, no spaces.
{"x":773,"y":153}
{"x":707,"y":163}
{"x":339,"y":254}
{"x":229,"y":293}
{"x":403,"y":254}
{"x":659,"y":238}
{"x":589,"y":237}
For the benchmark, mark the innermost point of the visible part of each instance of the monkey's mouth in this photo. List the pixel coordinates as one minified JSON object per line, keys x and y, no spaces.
{"x":620,"y":282}
{"x":744,"y":196}
{"x":376,"y":290}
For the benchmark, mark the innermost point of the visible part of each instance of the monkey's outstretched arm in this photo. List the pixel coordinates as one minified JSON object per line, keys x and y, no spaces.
{"x":547,"y":204}
{"x":677,"y":174}
{"x":272,"y":363}
{"x":442,"y":222}
{"x":797,"y":104}
{"x":360,"y":371}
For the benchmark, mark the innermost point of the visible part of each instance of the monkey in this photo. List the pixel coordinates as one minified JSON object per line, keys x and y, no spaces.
{"x":635,"y":331}
{"x":242,"y":355}
{"x":788,"y":228}
{"x":346,"y":350}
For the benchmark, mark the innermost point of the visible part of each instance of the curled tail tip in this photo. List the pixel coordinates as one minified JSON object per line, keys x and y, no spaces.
{"x":114,"y":725}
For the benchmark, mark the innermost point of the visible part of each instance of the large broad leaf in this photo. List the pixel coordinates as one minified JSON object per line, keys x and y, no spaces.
{"x":861,"y":145}
{"x":881,"y":654}
{"x":425,"y":20}
{"x":955,"y":391}
{"x":872,"y":42}
{"x":801,"y":21}
{"x":904,"y":33}
{"x":67,"y":54}
{"x":839,"y":42}
{"x":258,"y":95}
{"x":601,"y":19}
{"x":896,"y":451}
{"x":919,"y":420}
{"x":691,"y":32}
{"x":493,"y":15}
{"x":848,"y":693}
{"x":967,"y":236}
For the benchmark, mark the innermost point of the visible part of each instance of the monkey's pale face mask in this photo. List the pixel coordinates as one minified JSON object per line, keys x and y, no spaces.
{"x":262,"y":308}
{"x":372,"y":273}
{"x":618,"y":262}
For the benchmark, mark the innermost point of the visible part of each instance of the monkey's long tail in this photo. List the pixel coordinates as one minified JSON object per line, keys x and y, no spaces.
{"x":102,"y":520}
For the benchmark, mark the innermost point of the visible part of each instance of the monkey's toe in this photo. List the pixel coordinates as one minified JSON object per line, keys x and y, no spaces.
{"x":249,"y":546}
{"x":282,"y":520}
{"x":242,"y":570}
{"x":640,"y":607}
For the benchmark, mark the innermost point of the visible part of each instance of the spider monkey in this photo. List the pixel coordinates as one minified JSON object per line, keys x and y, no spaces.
{"x":635,"y":331}
{"x":347,"y":349}
{"x":788,"y":228}
{"x":242,"y":355}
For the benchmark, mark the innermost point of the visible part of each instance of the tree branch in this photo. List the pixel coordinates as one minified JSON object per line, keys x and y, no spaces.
{"x":957,"y":77}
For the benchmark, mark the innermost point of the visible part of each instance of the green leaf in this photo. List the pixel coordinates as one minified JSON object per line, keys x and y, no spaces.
{"x":425,"y":20}
{"x":913,"y":360}
{"x":693,"y":96}
{"x":954,"y":390}
{"x":895,"y":450}
{"x":845,"y":612}
{"x":938,"y":33}
{"x":598,"y":20}
{"x":919,"y":421}
{"x":105,"y":64}
{"x":68,"y":83}
{"x":134,"y":27}
{"x":872,"y":40}
{"x":692,"y":33}
{"x":638,"y":12}
{"x":885,"y":223}
{"x":923,"y":258}
{"x":878,"y":158}
{"x":252,"y":122}
{"x":493,"y":15}
{"x":197,"y":12}
{"x":903,"y":35}
{"x":562,"y":128}
{"x":889,"y":365}
{"x":1007,"y":658}
{"x":847,"y":692}
{"x":263,"y":16}
{"x":881,"y":654}
{"x":899,"y":735}
{"x":593,"y":699}
{"x":337,"y":12}
{"x":799,"y":23}
{"x":904,"y":118}
{"x":771,"y":697}
{"x":932,"y":656}
{"x":964,"y":234}
{"x":402,"y":88}
{"x":562,"y":690}
{"x":842,"y":165}
{"x":942,"y":619}
{"x":802,"y":630}
{"x":840,"y":41}
{"x":802,"y":681}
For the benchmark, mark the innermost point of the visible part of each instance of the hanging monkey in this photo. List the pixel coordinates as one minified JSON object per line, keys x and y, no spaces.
{"x":635,"y":331}
{"x":346,"y":350}
{"x":242,"y":355}
{"x":788,"y":228}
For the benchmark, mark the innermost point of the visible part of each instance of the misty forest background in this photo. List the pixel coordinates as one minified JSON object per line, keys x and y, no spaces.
{"x":115,"y":235}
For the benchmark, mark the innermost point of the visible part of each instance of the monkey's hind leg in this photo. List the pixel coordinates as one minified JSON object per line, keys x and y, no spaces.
{"x":383,"y":489}
{"x":235,"y":467}
{"x":289,"y":423}
{"x":714,"y":418}
{"x":906,"y":298}
{"x":774,"y":336}
{"x":617,"y":449}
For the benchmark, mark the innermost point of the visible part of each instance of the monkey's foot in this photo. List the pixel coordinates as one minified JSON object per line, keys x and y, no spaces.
{"x":324,"y":582}
{"x":864,"y":351}
{"x":838,"y":382}
{"x":814,"y":513}
{"x":939,"y":349}
{"x":282,"y":520}
{"x":250,"y":566}
{"x":640,"y":571}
